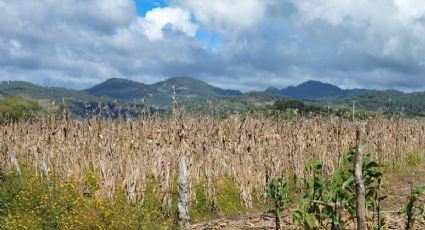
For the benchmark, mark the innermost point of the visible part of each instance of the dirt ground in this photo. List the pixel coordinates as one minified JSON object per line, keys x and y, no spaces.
{"x":396,"y":186}
{"x":266,"y":221}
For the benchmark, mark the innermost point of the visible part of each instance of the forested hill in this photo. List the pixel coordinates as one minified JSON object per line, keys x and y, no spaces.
{"x":316,"y":90}
{"x":195,"y":93}
{"x":159,"y":93}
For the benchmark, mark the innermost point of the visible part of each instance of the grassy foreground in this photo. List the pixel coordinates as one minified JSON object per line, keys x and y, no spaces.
{"x":29,"y":201}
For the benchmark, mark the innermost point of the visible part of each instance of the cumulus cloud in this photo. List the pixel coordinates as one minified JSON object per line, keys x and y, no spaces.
{"x":159,"y":18}
{"x":263,"y":43}
{"x":80,"y":43}
{"x":223,"y":16}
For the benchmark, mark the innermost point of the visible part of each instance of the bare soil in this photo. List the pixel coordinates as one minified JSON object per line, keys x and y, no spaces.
{"x":396,"y":186}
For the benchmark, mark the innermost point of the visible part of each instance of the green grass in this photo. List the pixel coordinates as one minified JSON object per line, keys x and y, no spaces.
{"x":32,"y":202}
{"x":201,"y":207}
{"x":226,"y":202}
{"x":228,"y":197}
{"x":412,"y":161}
{"x":29,"y":202}
{"x":17,"y":109}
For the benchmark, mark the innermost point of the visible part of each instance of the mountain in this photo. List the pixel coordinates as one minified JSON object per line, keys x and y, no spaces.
{"x":78,"y":102}
{"x":191,"y":87}
{"x":324,"y":94}
{"x":316,"y":91}
{"x":26,"y":89}
{"x":193,"y":94}
{"x":159,"y":93}
{"x":309,"y":90}
{"x":387,"y":100}
{"x":121,"y":89}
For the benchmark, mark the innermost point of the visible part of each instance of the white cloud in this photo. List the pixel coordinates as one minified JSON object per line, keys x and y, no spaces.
{"x":77,"y":43}
{"x":159,"y":18}
{"x":381,"y":15}
{"x":226,"y":16}
{"x":410,"y":9}
{"x":118,"y":10}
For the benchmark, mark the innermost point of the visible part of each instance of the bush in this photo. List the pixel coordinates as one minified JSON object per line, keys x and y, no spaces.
{"x":301,"y":107}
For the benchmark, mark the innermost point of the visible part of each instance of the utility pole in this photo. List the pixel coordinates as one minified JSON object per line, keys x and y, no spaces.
{"x":354,"y":110}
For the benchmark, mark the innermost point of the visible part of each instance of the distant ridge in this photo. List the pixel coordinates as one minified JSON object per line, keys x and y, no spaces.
{"x":193,"y":86}
{"x":309,"y":90}
{"x":122,"y":89}
{"x":316,"y":90}
{"x":27,"y":89}
{"x":195,"y":93}
{"x":158,"y":93}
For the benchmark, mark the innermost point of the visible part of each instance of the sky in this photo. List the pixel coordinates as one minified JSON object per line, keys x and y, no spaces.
{"x":235,"y":44}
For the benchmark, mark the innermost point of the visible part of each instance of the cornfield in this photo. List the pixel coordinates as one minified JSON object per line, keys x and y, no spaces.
{"x":246,"y":150}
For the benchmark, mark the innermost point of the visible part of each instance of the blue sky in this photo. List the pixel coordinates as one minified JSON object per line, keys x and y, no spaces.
{"x":239,"y":44}
{"x":212,"y":40}
{"x":144,"y":6}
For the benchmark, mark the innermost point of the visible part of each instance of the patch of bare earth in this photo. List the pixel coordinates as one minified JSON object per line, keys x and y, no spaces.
{"x":266,"y":221}
{"x":396,"y":186}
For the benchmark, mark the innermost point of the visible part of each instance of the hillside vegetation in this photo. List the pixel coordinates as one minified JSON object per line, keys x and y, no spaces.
{"x":197,"y":96}
{"x":160,"y":93}
{"x":13,"y":109}
{"x":26,"y":89}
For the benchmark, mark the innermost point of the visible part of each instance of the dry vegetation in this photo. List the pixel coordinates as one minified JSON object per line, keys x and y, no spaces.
{"x":246,"y":151}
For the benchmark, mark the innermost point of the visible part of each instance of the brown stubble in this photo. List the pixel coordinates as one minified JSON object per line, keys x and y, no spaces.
{"x":246,"y":150}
